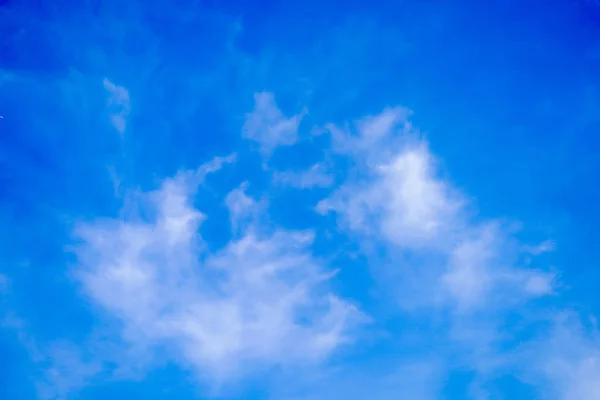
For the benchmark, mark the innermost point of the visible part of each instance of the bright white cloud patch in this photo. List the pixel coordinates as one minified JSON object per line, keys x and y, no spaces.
{"x":118,"y":105}
{"x":262,"y":300}
{"x":395,"y":191}
{"x":267,"y":125}
{"x":396,"y":195}
{"x":401,"y":199}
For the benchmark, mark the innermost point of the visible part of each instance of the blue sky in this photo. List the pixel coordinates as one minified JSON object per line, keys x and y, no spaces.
{"x":299,"y":200}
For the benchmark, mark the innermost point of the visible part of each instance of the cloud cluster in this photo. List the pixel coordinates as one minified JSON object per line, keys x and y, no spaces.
{"x":261,"y":300}
{"x":397,"y":196}
{"x":200,"y":280}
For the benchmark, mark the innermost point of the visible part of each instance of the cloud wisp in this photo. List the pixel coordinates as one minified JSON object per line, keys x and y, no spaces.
{"x":118,"y":105}
{"x":268,"y":126}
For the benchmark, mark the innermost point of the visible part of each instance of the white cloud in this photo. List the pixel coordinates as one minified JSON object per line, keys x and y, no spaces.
{"x":401,"y":199}
{"x":544,"y":247}
{"x":469,"y":275}
{"x":118,"y":104}
{"x":395,"y":194}
{"x":315,"y":176}
{"x":539,"y":283}
{"x":479,"y":272}
{"x":241,"y":207}
{"x":566,"y":365}
{"x":438,"y":254}
{"x":267,"y":125}
{"x":375,"y":137}
{"x":262,"y":300}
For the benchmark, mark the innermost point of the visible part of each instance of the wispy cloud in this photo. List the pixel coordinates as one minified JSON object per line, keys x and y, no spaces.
{"x":62,"y":367}
{"x":565,"y":361}
{"x":438,"y":255}
{"x":264,"y":301}
{"x":187,"y":279}
{"x":118,"y":105}
{"x":541,"y":248}
{"x":66,"y":371}
{"x":396,"y":194}
{"x":260,"y":301}
{"x":315,"y":176}
{"x":268,"y":126}
{"x":400,"y":199}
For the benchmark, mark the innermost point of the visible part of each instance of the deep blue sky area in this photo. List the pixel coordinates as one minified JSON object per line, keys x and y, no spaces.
{"x":208,"y":199}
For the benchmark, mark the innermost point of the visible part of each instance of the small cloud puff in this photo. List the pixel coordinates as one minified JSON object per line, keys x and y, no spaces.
{"x":267,"y":126}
